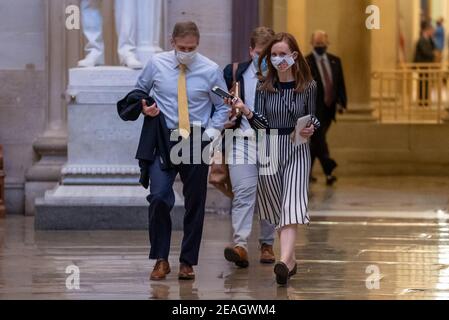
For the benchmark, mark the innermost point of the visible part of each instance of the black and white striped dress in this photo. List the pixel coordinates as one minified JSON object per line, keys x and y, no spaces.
{"x":283,"y":185}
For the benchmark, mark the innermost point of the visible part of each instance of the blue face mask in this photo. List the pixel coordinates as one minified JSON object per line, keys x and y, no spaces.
{"x":263,"y":66}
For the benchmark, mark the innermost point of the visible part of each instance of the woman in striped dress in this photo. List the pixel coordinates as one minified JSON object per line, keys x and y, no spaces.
{"x":286,"y":93}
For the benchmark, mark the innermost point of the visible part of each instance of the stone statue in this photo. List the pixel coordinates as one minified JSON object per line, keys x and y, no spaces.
{"x":128,"y":13}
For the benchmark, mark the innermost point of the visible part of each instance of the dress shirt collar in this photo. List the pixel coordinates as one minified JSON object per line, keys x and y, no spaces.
{"x":253,"y":70}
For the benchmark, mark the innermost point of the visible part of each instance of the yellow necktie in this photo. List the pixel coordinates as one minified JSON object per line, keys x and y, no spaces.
{"x":183,"y":106}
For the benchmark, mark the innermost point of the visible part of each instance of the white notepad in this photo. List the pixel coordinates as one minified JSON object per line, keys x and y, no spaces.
{"x":301,"y":124}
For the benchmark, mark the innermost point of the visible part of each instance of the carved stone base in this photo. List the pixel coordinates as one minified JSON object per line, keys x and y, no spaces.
{"x":98,"y":208}
{"x":2,"y":185}
{"x":446,"y":117}
{"x":358,"y":113}
{"x":46,"y":173}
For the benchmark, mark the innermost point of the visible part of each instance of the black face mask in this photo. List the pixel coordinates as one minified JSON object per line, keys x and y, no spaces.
{"x":320,"y":50}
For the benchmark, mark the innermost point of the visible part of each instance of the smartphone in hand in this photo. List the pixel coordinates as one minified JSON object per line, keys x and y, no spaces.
{"x":222,"y":93}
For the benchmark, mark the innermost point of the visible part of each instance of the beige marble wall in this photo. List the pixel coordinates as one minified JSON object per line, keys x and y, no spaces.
{"x":349,"y":39}
{"x":372,"y":149}
{"x":21,"y":34}
{"x":213,"y":18}
{"x":280,"y":15}
{"x":297,"y":12}
{"x":409,"y":11}
{"x":385,"y":41}
{"x":22,"y":90}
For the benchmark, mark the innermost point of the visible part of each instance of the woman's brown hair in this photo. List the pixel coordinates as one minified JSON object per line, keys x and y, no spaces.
{"x":301,"y":70}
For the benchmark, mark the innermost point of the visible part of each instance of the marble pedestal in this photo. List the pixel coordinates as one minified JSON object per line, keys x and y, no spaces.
{"x":99,"y":186}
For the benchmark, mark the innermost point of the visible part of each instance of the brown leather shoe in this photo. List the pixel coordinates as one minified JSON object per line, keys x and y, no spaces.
{"x":267,"y":254}
{"x":186,"y":272}
{"x":160,"y":271}
{"x":238,"y":255}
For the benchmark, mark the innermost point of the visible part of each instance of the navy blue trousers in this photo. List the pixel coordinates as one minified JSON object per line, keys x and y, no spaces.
{"x":162,"y":200}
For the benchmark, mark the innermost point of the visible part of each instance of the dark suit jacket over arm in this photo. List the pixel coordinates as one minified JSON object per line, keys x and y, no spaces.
{"x":155,"y":136}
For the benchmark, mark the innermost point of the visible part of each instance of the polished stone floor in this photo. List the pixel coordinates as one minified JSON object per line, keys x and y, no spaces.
{"x":340,"y":257}
{"x":398,"y":197}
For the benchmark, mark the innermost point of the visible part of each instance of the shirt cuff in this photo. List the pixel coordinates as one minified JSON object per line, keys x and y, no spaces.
{"x":258,"y":121}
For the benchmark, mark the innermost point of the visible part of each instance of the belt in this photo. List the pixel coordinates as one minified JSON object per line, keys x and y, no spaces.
{"x":243,"y":137}
{"x":191,"y":129}
{"x":281,"y":131}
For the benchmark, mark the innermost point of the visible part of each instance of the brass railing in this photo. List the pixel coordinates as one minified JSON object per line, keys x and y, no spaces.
{"x":412,"y":93}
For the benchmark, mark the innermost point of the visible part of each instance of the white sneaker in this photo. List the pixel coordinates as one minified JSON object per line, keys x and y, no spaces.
{"x":91,"y":60}
{"x":131,"y":61}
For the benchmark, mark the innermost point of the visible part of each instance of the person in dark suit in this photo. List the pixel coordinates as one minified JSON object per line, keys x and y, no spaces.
{"x":425,"y":47}
{"x":425,"y":53}
{"x":331,"y":96}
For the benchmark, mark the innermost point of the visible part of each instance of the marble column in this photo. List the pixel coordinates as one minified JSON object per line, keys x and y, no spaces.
{"x":51,"y":145}
{"x":266,"y":12}
{"x":150,"y":22}
{"x":385,"y":41}
{"x":279,"y":15}
{"x":242,"y":28}
{"x":296,"y":22}
{"x":349,"y":39}
{"x":409,"y":11}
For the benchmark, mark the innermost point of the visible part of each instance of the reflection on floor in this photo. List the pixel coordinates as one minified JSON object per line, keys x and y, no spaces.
{"x":390,"y":197}
{"x":339,"y":258}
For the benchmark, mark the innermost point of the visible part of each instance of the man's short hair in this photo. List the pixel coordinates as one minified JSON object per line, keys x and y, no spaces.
{"x":183,"y":29}
{"x":261,"y":36}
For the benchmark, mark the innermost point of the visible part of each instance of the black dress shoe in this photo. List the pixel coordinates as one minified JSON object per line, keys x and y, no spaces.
{"x":294,"y":271}
{"x":330,"y":180}
{"x":282,"y":273}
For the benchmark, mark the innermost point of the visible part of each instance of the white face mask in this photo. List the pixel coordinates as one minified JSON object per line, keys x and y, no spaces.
{"x":285,"y":62}
{"x":185,"y":57}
